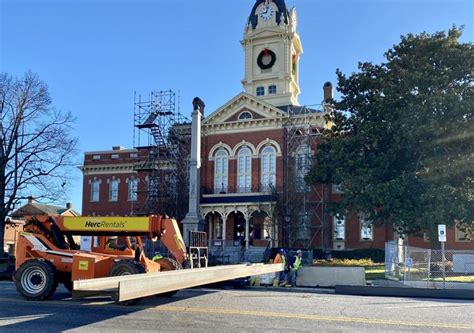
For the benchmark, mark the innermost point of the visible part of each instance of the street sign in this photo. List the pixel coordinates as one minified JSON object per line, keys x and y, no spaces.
{"x":442,"y":232}
{"x":409,"y":262}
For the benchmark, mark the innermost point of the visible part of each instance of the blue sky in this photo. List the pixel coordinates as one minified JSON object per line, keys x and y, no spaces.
{"x":94,"y":54}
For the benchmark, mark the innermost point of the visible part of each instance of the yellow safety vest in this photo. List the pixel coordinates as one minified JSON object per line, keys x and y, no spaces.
{"x":297,"y":264}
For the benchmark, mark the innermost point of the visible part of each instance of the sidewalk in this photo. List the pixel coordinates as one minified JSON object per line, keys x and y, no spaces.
{"x":293,"y":289}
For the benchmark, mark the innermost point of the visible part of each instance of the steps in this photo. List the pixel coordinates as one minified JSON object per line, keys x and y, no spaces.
{"x":233,"y":255}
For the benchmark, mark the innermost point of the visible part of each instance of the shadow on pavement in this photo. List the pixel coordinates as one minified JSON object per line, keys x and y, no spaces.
{"x":63,"y":313}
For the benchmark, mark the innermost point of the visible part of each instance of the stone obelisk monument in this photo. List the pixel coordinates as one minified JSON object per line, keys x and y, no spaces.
{"x":193,"y":220}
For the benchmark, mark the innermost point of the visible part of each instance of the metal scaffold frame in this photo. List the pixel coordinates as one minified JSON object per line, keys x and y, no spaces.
{"x":303,"y":207}
{"x":162,"y":138}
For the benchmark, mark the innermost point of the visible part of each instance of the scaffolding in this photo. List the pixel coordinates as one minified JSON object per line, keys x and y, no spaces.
{"x":302,"y":207}
{"x":162,"y":138}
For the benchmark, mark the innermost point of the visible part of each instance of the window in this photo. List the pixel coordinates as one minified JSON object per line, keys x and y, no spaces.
{"x":260,"y":91}
{"x":244,"y":170}
{"x":171,"y":183}
{"x":132,"y":189}
{"x":133,"y":155}
{"x":95,"y":188}
{"x":366,"y":230}
{"x":221,"y":164}
{"x":245,"y":115}
{"x":303,"y":226}
{"x":153,"y":187}
{"x":113,"y":190}
{"x":268,"y":168}
{"x":114,"y":156}
{"x":463,"y":233}
{"x":272,"y":90}
{"x":95,"y":157}
{"x":339,"y":227}
{"x":426,"y":237}
{"x":303,"y":164}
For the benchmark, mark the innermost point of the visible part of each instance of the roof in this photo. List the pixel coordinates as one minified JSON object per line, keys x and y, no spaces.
{"x":36,"y":208}
{"x":297,"y":109}
{"x":253,"y":18}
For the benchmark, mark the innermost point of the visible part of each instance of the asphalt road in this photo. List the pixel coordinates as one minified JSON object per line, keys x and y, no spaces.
{"x":235,"y":310}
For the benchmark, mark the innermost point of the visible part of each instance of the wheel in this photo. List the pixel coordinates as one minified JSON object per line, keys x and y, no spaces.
{"x":36,"y":279}
{"x":127,"y":267}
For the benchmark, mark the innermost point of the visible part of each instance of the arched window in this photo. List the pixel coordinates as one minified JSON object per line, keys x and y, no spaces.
{"x":268,"y":159}
{"x":221,"y":162}
{"x":260,"y":91}
{"x":245,"y":115}
{"x":272,"y":89}
{"x":244,"y":170}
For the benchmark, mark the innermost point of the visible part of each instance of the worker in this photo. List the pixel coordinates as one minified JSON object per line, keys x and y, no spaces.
{"x":294,"y":266}
{"x":280,"y":258}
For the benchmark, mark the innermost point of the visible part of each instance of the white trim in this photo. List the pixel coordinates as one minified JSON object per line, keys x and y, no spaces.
{"x":268,"y":142}
{"x":243,"y":98}
{"x":216,"y":147}
{"x":111,"y":151}
{"x":244,"y":143}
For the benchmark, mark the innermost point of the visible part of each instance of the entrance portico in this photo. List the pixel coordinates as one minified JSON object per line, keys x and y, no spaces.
{"x":241,"y":224}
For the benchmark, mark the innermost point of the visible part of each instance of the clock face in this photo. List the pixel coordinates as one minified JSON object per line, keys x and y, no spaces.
{"x":266,"y":12}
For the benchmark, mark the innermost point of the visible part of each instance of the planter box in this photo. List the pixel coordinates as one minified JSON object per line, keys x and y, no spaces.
{"x":327,"y":276}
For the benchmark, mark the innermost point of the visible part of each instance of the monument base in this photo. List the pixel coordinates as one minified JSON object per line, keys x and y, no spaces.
{"x":192,"y":222}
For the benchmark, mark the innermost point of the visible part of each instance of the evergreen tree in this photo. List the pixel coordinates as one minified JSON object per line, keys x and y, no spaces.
{"x":401,"y":140}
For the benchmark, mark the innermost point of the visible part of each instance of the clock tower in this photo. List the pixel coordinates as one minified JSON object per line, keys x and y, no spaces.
{"x":272,"y":51}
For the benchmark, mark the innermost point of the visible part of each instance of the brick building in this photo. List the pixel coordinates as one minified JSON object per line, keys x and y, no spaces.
{"x":256,"y":149}
{"x":32,"y":207}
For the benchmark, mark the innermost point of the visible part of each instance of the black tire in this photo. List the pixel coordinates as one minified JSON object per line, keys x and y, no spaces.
{"x":127,"y":267}
{"x":36,"y":280}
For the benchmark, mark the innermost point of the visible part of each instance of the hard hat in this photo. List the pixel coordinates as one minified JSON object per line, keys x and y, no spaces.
{"x":298,"y":252}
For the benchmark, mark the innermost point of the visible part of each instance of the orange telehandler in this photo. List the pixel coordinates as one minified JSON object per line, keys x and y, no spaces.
{"x":46,"y":253}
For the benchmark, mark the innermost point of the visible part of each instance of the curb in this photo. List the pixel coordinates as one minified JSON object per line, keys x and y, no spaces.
{"x":405,"y":292}
{"x":293,"y":289}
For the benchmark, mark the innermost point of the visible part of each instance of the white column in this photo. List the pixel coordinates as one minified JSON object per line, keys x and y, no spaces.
{"x":224,"y":222}
{"x":247,"y":218}
{"x":211,"y":228}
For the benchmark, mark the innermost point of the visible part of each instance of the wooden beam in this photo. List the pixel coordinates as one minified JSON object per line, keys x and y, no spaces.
{"x":148,"y":285}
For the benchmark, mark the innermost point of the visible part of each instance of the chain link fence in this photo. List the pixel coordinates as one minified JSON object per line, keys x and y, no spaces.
{"x":428,"y":268}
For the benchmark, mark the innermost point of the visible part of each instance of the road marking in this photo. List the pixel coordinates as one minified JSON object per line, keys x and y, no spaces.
{"x":310,"y":317}
{"x":20,"y":319}
{"x":412,"y":306}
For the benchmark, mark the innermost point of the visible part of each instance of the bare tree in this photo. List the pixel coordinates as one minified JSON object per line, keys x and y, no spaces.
{"x":37,"y":150}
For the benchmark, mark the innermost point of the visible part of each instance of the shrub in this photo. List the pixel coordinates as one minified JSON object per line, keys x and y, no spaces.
{"x":344,"y":262}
